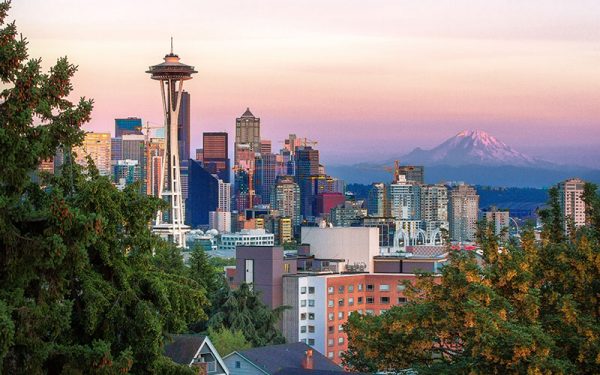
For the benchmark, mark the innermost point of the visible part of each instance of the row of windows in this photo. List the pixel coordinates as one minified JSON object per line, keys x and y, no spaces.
{"x":341,"y":314}
{"x":311,"y":303}
{"x":368,"y":288}
{"x":330,"y":354}
{"x":311,"y":316}
{"x":368,"y":300}
{"x":310,"y":342}
{"x":311,"y":329}
{"x":331,"y":329}
{"x":311,"y":290}
{"x":340,"y":341}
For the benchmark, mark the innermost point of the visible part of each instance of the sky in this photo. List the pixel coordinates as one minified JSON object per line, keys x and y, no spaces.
{"x":369,"y":80}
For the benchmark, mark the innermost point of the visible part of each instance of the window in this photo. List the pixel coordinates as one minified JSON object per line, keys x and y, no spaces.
{"x":311,"y":316}
{"x":360,"y":311}
{"x":360,"y":300}
{"x":400,"y":287}
{"x":330,"y":290}
{"x":330,"y":316}
{"x":370,"y":300}
{"x":370,"y":287}
{"x":360,"y":287}
{"x":382,"y":311}
{"x":384,"y":288}
{"x":302,"y":329}
{"x":311,"y":342}
{"x":341,"y":289}
{"x":341,"y":315}
{"x":286,"y":268}
{"x":330,"y":329}
{"x":311,"y":290}
{"x":401,"y":300}
{"x":238,"y":364}
{"x":341,"y":302}
{"x":329,"y":342}
{"x":303,"y":303}
{"x":303,"y":316}
{"x":350,"y":301}
{"x":340,"y":353}
{"x":303,"y":290}
{"x":340,"y":328}
{"x":340,"y":340}
{"x":330,"y":355}
{"x":384,"y":300}
{"x":369,"y":312}
{"x":311,"y":329}
{"x":311,"y":302}
{"x":350,"y":288}
{"x":330,"y":303}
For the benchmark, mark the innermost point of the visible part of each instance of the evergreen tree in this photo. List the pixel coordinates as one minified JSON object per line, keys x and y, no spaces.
{"x":530,"y":308}
{"x":81,"y":291}
{"x":243,"y":310}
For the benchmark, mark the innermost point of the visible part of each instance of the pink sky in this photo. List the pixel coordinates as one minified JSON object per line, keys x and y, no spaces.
{"x":365,"y":78}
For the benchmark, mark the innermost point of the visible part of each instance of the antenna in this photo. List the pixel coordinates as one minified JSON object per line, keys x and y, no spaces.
{"x":171,"y":45}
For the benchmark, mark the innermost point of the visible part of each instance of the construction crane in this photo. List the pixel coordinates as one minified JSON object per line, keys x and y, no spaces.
{"x":395,"y":170}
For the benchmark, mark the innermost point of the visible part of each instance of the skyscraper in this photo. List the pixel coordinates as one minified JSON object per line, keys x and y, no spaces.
{"x":264,"y":175}
{"x":463,"y":210}
{"x":265,"y":146}
{"x":413,"y":173}
{"x":129,"y":125}
{"x":404,"y":200}
{"x":434,"y":209}
{"x":377,"y":201}
{"x":97,"y":146}
{"x":183,"y":127}
{"x":203,"y":195}
{"x":247,"y":132}
{"x":571,"y":204}
{"x":285,"y":198}
{"x":215,"y":153}
{"x":499,"y":219}
{"x":307,"y":167}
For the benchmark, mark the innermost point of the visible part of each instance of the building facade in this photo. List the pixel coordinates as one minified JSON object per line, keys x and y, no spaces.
{"x":463,"y":211}
{"x":571,"y":203}
{"x":98,"y":147}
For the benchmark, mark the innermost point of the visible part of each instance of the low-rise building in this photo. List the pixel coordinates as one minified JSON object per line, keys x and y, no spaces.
{"x":246,"y":237}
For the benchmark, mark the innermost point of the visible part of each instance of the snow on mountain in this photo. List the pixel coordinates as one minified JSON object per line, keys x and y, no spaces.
{"x":471,"y":147}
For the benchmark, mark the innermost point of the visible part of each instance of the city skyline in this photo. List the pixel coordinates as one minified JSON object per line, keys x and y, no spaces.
{"x":347,"y":75}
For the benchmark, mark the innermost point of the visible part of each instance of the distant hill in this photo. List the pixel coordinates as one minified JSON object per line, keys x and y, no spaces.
{"x":474,"y":157}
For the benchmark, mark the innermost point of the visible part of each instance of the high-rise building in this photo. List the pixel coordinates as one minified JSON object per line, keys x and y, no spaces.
{"x":219,"y":220}
{"x":307,"y":162}
{"x":247,"y":132}
{"x":285,"y":198}
{"x":499,"y":219}
{"x":463,"y":210}
{"x":404,"y":200}
{"x":348,"y":214}
{"x":97,"y":146}
{"x":129,"y":125}
{"x":199,"y":154}
{"x":126,"y":172}
{"x":434,"y":209}
{"x":377,"y":201}
{"x":265,"y":146}
{"x":265,"y":173}
{"x":571,"y":203}
{"x":413,"y":173}
{"x":215,"y":154}
{"x":155,"y":152}
{"x":224,"y":196}
{"x":203,"y":197}
{"x":183,"y":127}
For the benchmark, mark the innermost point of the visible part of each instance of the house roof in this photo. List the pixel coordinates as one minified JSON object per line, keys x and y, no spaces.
{"x":301,"y":371}
{"x":275,"y":358}
{"x":182,"y":348}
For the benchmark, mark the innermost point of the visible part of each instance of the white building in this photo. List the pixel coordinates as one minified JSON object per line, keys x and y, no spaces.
{"x":571,"y":204}
{"x":357,"y":245}
{"x":246,"y":237}
{"x":224,"y":203}
{"x":219,"y":220}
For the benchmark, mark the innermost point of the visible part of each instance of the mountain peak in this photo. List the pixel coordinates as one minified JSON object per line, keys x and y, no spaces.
{"x":471,"y":147}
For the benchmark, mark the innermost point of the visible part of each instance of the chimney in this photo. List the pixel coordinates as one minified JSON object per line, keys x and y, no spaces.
{"x":307,"y":363}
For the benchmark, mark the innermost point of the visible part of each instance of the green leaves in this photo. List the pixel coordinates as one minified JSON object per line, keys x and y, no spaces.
{"x":528,"y":308}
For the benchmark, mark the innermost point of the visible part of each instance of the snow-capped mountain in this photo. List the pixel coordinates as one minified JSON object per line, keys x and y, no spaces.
{"x":471,"y":147}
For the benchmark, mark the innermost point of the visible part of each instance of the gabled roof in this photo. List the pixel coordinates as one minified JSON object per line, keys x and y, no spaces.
{"x":247,"y":113}
{"x":183,"y":349}
{"x":301,"y":371}
{"x":275,"y":358}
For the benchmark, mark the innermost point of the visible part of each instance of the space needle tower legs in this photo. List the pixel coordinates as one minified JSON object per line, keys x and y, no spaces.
{"x":171,"y":74}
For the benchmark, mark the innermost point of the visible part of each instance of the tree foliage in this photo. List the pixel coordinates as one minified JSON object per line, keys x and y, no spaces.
{"x":243,"y":310}
{"x":227,"y":341}
{"x":81,"y":291}
{"x":532,"y":308}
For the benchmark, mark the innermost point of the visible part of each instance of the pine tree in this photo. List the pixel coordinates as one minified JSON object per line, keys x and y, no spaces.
{"x":81,"y":291}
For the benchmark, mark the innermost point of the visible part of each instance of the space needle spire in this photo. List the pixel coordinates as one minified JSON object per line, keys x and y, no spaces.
{"x":171,"y":73}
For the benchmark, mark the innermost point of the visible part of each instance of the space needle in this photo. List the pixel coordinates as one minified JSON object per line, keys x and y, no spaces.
{"x":171,"y":73}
